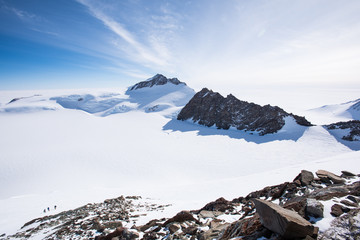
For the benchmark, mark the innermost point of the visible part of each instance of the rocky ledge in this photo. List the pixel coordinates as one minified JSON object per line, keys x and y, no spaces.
{"x":351,"y":129}
{"x":156,"y":80}
{"x":210,"y":108}
{"x":325,"y":206}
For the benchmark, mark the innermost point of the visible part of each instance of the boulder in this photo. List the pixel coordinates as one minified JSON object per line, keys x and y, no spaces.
{"x":349,"y":203}
{"x":192,"y":230}
{"x":121,"y":233}
{"x":297,"y":204}
{"x":305,"y":177}
{"x":347,"y":174}
{"x":214,"y":232}
{"x":325,"y":174}
{"x":330,"y":192}
{"x":336,"y":210}
{"x":173,"y":227}
{"x":314,"y":208}
{"x":209,"y":214}
{"x":353,"y":199}
{"x":286,"y":223}
{"x":181,"y":217}
{"x":219,"y":205}
{"x":244,"y":228}
{"x":150,"y":224}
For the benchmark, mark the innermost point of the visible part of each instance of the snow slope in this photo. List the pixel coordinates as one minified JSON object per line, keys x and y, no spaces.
{"x":168,"y":98}
{"x":335,"y":113}
{"x":55,"y":155}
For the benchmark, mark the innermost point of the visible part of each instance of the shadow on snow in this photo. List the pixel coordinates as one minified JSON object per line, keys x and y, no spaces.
{"x":284,"y":134}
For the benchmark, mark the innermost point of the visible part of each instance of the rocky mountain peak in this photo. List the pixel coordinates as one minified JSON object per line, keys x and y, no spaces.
{"x":211,"y":108}
{"x":156,"y":80}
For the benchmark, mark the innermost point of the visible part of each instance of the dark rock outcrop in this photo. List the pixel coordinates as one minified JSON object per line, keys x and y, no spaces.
{"x":156,"y":80}
{"x":353,"y":127}
{"x":210,"y":108}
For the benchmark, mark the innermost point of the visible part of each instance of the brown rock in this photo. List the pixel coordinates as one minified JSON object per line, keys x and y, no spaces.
{"x":220,"y":205}
{"x":336,"y":210}
{"x":286,"y":223}
{"x":173,"y":227}
{"x":347,"y":174}
{"x":353,"y":199}
{"x":192,"y":230}
{"x":244,"y":228}
{"x":296,"y":204}
{"x":305,"y":177}
{"x":150,"y":224}
{"x":209,"y":214}
{"x":181,"y":217}
{"x":314,"y":208}
{"x":330,"y":192}
{"x":349,"y":203}
{"x":325,"y":174}
{"x":215,"y":223}
{"x":120,"y":232}
{"x":214,"y":232}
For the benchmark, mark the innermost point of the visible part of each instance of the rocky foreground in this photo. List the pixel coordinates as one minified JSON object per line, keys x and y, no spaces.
{"x":325,"y":206}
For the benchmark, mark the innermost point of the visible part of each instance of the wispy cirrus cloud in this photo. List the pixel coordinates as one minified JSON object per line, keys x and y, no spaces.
{"x":154,"y":54}
{"x":19,"y":13}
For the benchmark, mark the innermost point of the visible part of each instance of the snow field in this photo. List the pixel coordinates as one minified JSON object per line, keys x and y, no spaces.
{"x":67,"y":157}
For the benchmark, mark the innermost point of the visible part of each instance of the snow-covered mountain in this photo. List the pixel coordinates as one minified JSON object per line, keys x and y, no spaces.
{"x":335,"y":113}
{"x":157,"y":94}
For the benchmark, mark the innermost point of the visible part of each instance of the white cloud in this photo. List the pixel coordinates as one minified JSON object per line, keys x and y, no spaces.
{"x":154,"y":55}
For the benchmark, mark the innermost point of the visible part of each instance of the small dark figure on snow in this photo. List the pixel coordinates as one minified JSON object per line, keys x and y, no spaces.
{"x":48,"y":209}
{"x":44,"y":210}
{"x":55,"y":207}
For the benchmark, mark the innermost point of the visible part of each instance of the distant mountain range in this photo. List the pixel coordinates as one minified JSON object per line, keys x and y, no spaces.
{"x":173,"y":98}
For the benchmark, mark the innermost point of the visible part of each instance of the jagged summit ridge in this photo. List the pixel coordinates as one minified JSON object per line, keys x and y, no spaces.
{"x":158,"y":79}
{"x":211,"y":108}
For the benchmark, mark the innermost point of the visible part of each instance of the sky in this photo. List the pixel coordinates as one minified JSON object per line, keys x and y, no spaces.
{"x":206,"y":43}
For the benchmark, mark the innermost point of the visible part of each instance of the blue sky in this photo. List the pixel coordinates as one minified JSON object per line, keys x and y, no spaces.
{"x":212,"y":43}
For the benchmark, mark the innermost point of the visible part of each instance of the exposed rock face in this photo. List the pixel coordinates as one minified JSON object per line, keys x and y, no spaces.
{"x":352,"y":126}
{"x":287,"y":223}
{"x":210,"y":108}
{"x":158,"y":79}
